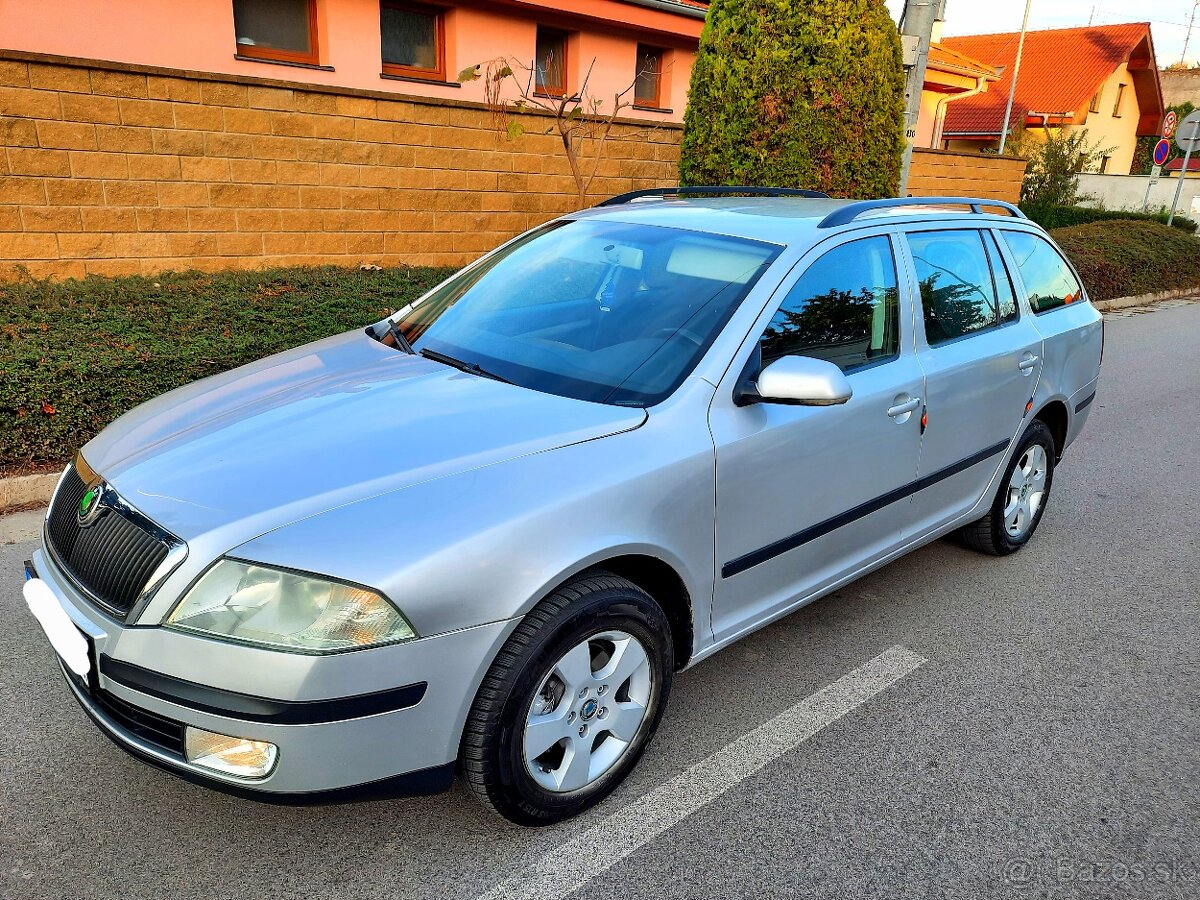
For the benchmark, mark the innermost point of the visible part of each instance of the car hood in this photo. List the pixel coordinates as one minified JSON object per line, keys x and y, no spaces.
{"x":320,"y":426}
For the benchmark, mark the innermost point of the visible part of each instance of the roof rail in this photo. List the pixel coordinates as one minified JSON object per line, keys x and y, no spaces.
{"x":710,"y":191}
{"x":848,"y":214}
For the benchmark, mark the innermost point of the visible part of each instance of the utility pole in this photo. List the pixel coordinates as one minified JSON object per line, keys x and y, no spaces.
{"x":1188,"y":40}
{"x":916,"y":33}
{"x":1012,"y":89}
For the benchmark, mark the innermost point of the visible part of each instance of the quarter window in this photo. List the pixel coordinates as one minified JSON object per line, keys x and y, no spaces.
{"x":647,"y":85}
{"x":958,"y":292}
{"x":413,"y":42}
{"x":1049,"y":281}
{"x":277,"y":30}
{"x":844,"y":309}
{"x":550,"y":62}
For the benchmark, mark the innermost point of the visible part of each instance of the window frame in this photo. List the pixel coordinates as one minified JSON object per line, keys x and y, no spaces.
{"x":789,"y":284}
{"x":555,"y":91}
{"x":1120,"y":99}
{"x":661,"y":52}
{"x":274,"y":55}
{"x":439,"y":37}
{"x":919,"y":300}
{"x":1023,"y":298}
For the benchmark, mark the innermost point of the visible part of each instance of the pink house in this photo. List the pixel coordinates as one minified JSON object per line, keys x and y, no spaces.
{"x":412,"y":48}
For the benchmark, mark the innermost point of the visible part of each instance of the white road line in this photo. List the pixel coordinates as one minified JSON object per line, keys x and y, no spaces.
{"x":575,"y":862}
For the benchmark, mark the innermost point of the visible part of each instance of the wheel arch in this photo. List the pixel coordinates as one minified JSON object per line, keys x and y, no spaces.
{"x":658,"y":578}
{"x":1057,"y":418}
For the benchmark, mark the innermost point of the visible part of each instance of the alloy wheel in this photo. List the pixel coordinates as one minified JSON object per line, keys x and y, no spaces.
{"x":1026,"y":491}
{"x":587,"y":712}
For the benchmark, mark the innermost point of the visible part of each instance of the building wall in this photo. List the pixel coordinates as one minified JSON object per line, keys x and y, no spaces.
{"x":111,"y":169}
{"x":1128,"y":192}
{"x":158,"y":33}
{"x":1181,"y":87}
{"x":1116,"y":135}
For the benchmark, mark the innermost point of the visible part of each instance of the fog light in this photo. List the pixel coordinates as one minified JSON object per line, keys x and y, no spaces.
{"x":236,"y":756}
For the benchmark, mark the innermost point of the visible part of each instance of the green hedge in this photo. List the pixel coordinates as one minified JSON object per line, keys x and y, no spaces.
{"x":74,"y":355}
{"x":1050,"y":217}
{"x":1125,"y":258}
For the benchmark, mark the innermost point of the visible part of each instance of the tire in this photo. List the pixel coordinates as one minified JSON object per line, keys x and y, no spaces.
{"x":1003,"y":531}
{"x":587,"y":623}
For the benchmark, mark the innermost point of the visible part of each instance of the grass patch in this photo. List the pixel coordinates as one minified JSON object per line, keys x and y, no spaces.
{"x":1127,"y":258}
{"x":76,"y":354}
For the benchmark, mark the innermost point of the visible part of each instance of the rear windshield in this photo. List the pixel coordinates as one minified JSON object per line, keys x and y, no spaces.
{"x":601,"y":311}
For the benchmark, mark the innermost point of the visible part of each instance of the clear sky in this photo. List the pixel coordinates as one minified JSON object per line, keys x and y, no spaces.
{"x":1168,"y":19}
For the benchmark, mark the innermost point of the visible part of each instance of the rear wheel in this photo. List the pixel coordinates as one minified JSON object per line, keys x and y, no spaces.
{"x":570,"y":703}
{"x":1021,"y":499}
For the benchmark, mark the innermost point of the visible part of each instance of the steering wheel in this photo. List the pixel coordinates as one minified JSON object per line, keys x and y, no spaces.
{"x":666,"y":334}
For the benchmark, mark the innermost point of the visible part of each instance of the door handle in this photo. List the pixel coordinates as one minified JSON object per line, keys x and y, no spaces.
{"x":905,"y":408}
{"x":1028,"y":362}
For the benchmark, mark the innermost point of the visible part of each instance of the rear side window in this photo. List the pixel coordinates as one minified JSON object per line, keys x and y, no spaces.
{"x":1049,"y":281}
{"x":958,"y":290}
{"x":844,"y":309}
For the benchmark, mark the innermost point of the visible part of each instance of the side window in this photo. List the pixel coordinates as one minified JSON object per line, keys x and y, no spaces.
{"x":1049,"y":281}
{"x":844,"y":309}
{"x":1003,"y":280}
{"x":958,"y":293}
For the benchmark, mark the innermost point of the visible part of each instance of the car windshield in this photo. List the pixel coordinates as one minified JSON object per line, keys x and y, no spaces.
{"x":603,"y":311}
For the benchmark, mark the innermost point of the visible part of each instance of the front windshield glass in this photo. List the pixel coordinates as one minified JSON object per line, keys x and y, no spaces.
{"x":602,"y":311}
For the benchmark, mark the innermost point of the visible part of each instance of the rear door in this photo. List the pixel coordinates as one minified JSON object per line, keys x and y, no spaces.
{"x":1071,"y":327}
{"x":981,"y":356}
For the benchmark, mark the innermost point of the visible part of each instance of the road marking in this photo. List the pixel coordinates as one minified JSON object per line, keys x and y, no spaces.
{"x":573,"y":863}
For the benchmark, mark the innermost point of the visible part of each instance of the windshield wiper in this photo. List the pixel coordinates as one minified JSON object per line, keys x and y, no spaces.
{"x":402,"y":342}
{"x":462,"y":365}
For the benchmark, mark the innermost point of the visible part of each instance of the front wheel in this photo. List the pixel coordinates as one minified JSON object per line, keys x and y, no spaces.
{"x":570,"y":703}
{"x":1021,"y":500}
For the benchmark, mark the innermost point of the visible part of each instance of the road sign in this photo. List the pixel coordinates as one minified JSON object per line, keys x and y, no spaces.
{"x":1162,"y":150}
{"x":1169,"y":124}
{"x":1155,"y":173}
{"x":1188,"y":135}
{"x":1188,"y":139}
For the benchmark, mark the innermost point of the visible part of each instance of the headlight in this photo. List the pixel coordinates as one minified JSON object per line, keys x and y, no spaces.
{"x":287,"y":611}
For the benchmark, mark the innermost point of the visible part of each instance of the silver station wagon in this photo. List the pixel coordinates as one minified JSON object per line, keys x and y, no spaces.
{"x":481,"y":535}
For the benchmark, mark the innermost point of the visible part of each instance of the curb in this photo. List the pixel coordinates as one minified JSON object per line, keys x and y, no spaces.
{"x":26,"y":490}
{"x":35,"y":490}
{"x":1143,"y":299}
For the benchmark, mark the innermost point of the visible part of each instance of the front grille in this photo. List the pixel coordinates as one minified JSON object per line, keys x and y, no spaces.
{"x":164,"y":733}
{"x":112,"y":558}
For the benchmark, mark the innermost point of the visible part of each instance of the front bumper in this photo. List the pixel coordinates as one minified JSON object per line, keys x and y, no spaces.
{"x":332,"y":745}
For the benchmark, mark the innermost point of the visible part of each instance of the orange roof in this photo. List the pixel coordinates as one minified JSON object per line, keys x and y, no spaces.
{"x":1060,"y":73}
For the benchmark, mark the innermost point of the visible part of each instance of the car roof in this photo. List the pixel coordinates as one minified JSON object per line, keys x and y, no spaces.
{"x":758,"y":218}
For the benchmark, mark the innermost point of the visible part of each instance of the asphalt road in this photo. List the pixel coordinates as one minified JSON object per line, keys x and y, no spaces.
{"x":1048,"y":745}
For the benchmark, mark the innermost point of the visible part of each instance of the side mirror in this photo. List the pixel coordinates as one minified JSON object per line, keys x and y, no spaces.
{"x":803,"y":381}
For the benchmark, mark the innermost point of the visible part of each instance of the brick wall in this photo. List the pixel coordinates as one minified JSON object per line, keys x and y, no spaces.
{"x":112,"y":169}
{"x":947,"y":173}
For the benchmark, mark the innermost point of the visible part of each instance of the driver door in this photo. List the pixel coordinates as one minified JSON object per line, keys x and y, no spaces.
{"x":805,"y":494}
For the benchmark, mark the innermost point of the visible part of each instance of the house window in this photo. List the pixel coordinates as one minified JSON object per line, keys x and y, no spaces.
{"x":550,"y":62}
{"x":1120,"y":97}
{"x":1105,"y":161}
{"x":413,"y":40}
{"x":1095,"y":107}
{"x":277,"y":30}
{"x":647,"y":85}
